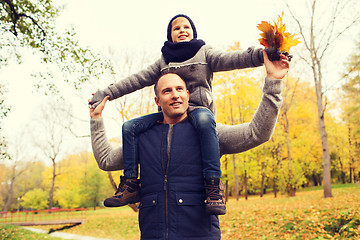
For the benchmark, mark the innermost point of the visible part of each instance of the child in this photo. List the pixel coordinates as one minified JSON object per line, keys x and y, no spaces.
{"x":195,"y":62}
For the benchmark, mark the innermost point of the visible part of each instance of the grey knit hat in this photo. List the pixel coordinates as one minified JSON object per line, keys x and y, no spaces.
{"x":170,"y":23}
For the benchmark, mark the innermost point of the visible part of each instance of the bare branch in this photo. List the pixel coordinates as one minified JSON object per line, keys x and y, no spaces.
{"x":351,"y":70}
{"x":301,"y":31}
{"x":15,"y":17}
{"x":331,"y":37}
{"x":76,"y":135}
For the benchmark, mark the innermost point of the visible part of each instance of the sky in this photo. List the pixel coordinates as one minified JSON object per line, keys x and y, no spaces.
{"x":142,"y":24}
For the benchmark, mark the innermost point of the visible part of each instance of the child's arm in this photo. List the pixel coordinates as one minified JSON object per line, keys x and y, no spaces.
{"x":224,"y":61}
{"x":144,"y":78}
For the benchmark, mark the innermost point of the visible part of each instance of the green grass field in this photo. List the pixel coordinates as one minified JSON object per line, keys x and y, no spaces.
{"x":10,"y":232}
{"x":306,"y":216}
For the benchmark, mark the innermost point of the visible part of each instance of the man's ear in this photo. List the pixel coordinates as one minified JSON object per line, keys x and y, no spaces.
{"x":157,"y":101}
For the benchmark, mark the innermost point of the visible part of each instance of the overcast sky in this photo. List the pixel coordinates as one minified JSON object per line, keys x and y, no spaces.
{"x":142,"y":25}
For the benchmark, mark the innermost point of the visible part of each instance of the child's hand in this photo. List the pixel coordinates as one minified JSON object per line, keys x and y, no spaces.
{"x":97,"y":112}
{"x":274,"y":54}
{"x":97,"y":98}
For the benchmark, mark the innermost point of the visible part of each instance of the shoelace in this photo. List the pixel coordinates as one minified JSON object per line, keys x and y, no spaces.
{"x":213,"y":193}
{"x":121,"y":185}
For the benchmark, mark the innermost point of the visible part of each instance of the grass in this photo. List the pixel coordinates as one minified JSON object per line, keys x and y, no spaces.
{"x":10,"y":232}
{"x":333,"y":186}
{"x":306,"y":216}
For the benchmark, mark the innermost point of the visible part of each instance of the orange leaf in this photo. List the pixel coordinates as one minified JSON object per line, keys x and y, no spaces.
{"x":267,"y":34}
{"x":275,"y":35}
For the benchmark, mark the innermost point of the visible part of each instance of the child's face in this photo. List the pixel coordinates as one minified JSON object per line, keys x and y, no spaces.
{"x":181,"y":30}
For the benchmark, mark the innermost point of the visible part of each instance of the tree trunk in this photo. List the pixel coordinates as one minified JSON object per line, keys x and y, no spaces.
{"x":236,"y":179}
{"x":326,"y":157}
{"x":246,"y":186}
{"x":226,"y":180}
{"x":275,"y":157}
{"x":234,"y":159}
{"x":262,"y":190}
{"x":95,"y":202}
{"x":291,"y":188}
{"x":352,"y":173}
{"x":342,"y":171}
{"x":51,"y":200}
{"x":11,"y":190}
{"x":112,"y":182}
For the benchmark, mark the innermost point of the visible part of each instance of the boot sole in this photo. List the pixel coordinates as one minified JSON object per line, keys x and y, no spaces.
{"x":114,"y":202}
{"x":216,"y":210}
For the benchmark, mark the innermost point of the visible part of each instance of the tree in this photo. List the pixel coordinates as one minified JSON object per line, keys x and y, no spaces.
{"x":4,"y":111}
{"x":350,"y":106}
{"x":17,"y":155}
{"x":9,"y":197}
{"x":237,"y":96}
{"x":93,"y":186}
{"x":318,"y":37}
{"x":32,"y":25}
{"x":36,"y":199}
{"x":285,"y":108}
{"x":49,"y":127}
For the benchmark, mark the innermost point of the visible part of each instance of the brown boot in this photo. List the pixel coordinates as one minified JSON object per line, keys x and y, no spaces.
{"x":215,"y":201}
{"x":127,"y":192}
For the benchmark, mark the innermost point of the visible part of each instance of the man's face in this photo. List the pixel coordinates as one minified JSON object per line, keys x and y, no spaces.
{"x":173,"y":98}
{"x":181,"y":30}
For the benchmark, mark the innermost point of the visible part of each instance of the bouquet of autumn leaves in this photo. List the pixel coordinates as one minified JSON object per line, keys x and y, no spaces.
{"x":275,"y":40}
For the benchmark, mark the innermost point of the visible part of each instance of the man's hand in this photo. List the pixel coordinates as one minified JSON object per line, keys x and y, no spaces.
{"x":97,"y":112}
{"x":276,"y":69}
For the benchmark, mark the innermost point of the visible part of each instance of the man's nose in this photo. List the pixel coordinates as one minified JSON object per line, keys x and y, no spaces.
{"x":175,"y":95}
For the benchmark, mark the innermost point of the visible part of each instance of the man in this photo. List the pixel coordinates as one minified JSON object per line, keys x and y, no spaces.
{"x":172,"y":191}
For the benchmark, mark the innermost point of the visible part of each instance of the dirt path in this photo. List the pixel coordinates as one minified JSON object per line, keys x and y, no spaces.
{"x":65,"y":235}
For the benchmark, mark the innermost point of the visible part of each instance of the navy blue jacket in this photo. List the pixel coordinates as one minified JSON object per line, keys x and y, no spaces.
{"x":172,"y":186}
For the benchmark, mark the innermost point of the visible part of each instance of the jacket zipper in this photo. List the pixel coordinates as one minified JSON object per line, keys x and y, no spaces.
{"x":169,"y":136}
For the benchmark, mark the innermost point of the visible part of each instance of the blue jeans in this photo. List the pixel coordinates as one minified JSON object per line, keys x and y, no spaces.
{"x":203,"y":121}
{"x":130,"y":134}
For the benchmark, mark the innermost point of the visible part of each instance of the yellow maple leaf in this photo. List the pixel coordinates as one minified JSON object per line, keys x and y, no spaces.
{"x":275,"y":35}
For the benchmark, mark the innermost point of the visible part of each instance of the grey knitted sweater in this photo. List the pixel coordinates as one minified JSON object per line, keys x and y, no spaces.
{"x":232,"y":139}
{"x":196,"y":71}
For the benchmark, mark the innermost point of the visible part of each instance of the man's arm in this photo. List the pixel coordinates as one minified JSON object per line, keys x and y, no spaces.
{"x":242,"y":137}
{"x":107,"y":157}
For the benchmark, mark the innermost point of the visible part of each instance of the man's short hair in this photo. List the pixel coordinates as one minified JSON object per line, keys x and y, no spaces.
{"x":157,"y":80}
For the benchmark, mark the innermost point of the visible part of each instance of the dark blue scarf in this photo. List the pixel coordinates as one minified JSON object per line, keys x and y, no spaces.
{"x":182,"y":51}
